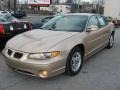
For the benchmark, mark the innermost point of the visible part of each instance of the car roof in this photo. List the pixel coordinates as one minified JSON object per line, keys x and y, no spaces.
{"x":86,"y":14}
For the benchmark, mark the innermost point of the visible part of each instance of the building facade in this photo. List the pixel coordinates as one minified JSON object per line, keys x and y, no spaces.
{"x":112,"y":8}
{"x":7,"y":4}
{"x":61,"y":8}
{"x":3,"y":4}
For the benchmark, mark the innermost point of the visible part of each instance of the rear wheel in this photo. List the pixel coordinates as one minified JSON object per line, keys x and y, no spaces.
{"x":111,"y":42}
{"x":74,"y":62}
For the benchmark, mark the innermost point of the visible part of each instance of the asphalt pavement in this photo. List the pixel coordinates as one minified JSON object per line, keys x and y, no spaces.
{"x":31,"y":18}
{"x":100,"y":72}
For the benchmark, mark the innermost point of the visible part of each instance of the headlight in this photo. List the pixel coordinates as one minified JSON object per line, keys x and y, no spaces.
{"x":11,"y":28}
{"x":25,"y":26}
{"x":44,"y":55}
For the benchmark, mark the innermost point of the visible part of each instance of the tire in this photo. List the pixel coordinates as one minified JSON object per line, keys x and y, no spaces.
{"x":111,"y":41}
{"x":73,"y":69}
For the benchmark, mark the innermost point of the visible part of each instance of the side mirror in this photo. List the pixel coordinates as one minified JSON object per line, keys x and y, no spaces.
{"x":92,"y":28}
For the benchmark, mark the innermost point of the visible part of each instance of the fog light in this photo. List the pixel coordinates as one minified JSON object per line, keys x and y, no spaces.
{"x":43,"y":74}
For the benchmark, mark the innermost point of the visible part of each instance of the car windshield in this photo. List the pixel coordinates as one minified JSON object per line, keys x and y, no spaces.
{"x":44,"y":20}
{"x":75,"y":23}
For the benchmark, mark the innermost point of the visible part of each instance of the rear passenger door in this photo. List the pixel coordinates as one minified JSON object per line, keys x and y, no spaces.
{"x":104,"y":29}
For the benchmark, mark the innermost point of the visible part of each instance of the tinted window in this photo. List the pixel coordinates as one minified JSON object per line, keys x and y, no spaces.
{"x":2,"y":20}
{"x":10,"y":18}
{"x":67,"y":23}
{"x":93,"y":21}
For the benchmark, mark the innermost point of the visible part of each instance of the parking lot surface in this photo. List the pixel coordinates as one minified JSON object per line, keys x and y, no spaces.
{"x":100,"y":72}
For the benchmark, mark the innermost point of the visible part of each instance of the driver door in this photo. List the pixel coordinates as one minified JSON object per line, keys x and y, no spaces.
{"x":93,"y":38}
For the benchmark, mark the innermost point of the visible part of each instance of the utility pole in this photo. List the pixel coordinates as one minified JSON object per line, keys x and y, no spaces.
{"x":79,"y":5}
{"x":1,"y":4}
{"x":98,"y":7}
{"x":15,"y":2}
{"x":8,"y":5}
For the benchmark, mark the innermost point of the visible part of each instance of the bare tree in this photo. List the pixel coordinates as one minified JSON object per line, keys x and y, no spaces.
{"x":69,"y":1}
{"x":99,"y":6}
{"x":3,"y":4}
{"x":54,"y":1}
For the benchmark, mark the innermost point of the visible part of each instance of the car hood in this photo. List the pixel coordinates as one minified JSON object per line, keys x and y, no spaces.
{"x":38,"y":40}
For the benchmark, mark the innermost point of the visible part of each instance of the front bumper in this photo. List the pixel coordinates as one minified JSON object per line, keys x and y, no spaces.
{"x":38,"y":68}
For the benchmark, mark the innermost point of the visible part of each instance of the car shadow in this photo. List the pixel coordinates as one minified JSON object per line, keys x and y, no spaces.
{"x":2,"y":47}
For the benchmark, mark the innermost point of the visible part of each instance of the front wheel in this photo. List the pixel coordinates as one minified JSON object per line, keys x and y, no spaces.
{"x":74,"y":62}
{"x":111,"y":42}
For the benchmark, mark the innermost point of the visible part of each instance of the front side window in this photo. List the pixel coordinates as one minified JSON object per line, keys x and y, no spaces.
{"x":75,"y":23}
{"x":93,"y":21}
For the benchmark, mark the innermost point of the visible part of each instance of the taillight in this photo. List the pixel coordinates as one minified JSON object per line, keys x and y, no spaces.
{"x":2,"y":31}
{"x":30,"y":26}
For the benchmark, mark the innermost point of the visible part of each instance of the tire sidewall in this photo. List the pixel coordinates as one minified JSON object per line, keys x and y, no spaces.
{"x":69,"y":60}
{"x":109,"y":43}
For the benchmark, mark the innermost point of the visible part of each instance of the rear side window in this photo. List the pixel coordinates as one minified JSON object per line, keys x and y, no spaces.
{"x":101,"y":21}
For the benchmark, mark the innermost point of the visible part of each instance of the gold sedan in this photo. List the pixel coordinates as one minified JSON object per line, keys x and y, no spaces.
{"x":61,"y":45}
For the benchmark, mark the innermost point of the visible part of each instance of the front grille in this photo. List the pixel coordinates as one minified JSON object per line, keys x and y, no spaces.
{"x":14,"y":54}
{"x":18,"y":55}
{"x":9,"y":52}
{"x":21,"y":71}
{"x":24,"y":72}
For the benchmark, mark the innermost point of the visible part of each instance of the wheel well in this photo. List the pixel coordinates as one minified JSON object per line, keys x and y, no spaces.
{"x":81,"y":46}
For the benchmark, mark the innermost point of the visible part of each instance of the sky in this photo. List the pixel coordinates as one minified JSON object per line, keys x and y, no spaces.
{"x":88,"y":0}
{"x":22,"y":0}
